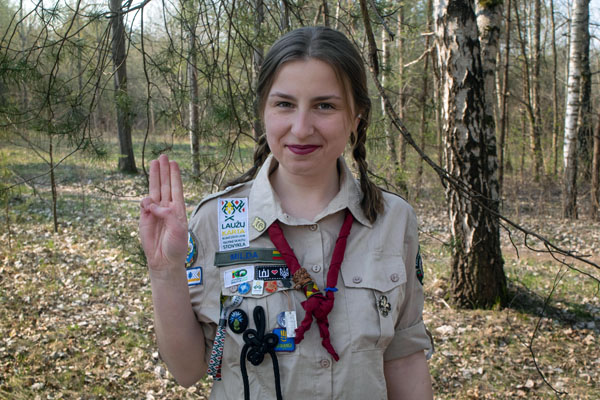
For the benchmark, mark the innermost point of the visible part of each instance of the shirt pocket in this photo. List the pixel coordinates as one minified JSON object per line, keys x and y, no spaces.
{"x":373,"y":293}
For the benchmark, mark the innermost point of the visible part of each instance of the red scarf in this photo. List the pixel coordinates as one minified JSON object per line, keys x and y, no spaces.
{"x":317,"y":304}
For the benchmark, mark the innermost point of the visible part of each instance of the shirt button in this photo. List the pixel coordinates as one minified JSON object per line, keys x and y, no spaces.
{"x":316,"y":268}
{"x":313,"y":227}
{"x":325,"y":363}
{"x":357,"y":279}
{"x":394,"y":277}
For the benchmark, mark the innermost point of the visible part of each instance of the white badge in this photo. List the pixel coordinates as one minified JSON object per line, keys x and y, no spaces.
{"x":233,"y":224}
{"x":290,"y":323}
{"x":258,"y":287}
{"x":239,"y":275}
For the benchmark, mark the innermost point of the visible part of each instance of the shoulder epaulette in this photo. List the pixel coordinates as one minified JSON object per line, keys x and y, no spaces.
{"x":215,"y":195}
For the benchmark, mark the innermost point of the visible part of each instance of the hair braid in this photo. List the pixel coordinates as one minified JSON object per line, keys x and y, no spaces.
{"x":261,"y":152}
{"x":372,"y":200}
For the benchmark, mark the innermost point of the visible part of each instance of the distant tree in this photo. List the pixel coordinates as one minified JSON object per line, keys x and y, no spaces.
{"x":122,"y":100}
{"x":595,"y":189}
{"x":477,"y":274}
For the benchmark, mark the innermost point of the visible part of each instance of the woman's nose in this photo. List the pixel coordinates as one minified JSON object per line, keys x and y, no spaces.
{"x":302,"y":124}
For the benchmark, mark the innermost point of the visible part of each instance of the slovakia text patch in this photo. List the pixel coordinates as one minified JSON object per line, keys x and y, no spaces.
{"x":194,"y":276}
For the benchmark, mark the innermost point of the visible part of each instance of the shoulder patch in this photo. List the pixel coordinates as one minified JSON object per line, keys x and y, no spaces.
{"x":419,"y":266}
{"x":228,"y":189}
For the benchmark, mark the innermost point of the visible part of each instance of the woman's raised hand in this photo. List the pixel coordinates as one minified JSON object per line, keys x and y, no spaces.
{"x":163,"y":219}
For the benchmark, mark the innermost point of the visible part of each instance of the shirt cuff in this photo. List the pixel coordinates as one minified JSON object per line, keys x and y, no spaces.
{"x":407,"y":342}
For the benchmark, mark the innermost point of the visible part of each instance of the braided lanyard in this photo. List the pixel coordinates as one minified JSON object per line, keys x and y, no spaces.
{"x":257,"y":344}
{"x":316,"y":304}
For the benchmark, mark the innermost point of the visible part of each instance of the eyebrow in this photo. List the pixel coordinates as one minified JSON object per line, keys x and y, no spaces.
{"x":318,"y":98}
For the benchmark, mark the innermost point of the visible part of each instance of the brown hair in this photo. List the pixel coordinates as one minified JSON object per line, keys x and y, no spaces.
{"x":334,"y":48}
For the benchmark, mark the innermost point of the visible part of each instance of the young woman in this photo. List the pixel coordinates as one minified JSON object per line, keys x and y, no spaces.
{"x":296,"y":241}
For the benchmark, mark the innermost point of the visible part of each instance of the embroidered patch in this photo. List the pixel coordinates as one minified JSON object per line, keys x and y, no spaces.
{"x":236,"y":276}
{"x":258,"y":287}
{"x":272,"y":273}
{"x":192,"y":252}
{"x":233,"y":224}
{"x":285,"y":343}
{"x":419,"y":266}
{"x":194,"y":276}
{"x":259,"y":224}
{"x":248,"y":256}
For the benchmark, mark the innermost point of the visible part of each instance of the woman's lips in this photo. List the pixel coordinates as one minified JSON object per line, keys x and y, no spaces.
{"x":302,"y":149}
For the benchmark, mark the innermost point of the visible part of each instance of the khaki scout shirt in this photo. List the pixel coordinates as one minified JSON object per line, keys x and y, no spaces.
{"x":379,"y":261}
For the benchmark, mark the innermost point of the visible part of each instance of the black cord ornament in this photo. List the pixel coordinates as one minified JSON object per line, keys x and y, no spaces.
{"x":257,"y":344}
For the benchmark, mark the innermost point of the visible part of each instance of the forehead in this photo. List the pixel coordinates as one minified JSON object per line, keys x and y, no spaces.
{"x":308,"y":75}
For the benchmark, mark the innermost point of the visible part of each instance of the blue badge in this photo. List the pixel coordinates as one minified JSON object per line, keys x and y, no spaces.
{"x":238,"y":321}
{"x":285,"y":343}
{"x":244,"y":288}
{"x":194,"y":276}
{"x":192,"y":252}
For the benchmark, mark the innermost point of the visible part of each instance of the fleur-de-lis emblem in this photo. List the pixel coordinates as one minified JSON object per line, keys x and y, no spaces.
{"x":384,"y":306}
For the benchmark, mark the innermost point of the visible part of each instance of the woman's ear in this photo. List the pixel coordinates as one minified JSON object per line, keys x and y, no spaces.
{"x":357,"y":122}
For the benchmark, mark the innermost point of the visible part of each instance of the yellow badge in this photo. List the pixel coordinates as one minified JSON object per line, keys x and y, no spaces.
{"x":259,"y":224}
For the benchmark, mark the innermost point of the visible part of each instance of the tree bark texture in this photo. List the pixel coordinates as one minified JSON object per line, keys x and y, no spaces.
{"x":478,"y":279}
{"x":580,"y":11}
{"x":584,"y":124}
{"x":194,"y":128}
{"x":555,"y":118}
{"x":401,"y":100}
{"x":504,"y":100}
{"x":595,"y":189}
{"x":257,"y":60}
{"x":122,"y":102}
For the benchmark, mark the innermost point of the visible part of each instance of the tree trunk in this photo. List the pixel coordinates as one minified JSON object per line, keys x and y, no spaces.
{"x":122,"y":101}
{"x":504,"y":101}
{"x":536,"y":121}
{"x":584,"y":134}
{"x":478,"y":279}
{"x":580,"y":12}
{"x":53,"y":184}
{"x":257,"y":60}
{"x":555,"y":119}
{"x":424,"y":94}
{"x":285,"y":15}
{"x":386,"y":82}
{"x":595,"y":189}
{"x":194,"y":128}
{"x":401,"y":98}
{"x":325,"y":12}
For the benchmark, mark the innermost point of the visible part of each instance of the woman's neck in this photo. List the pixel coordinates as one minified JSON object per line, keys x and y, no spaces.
{"x":305,"y":196}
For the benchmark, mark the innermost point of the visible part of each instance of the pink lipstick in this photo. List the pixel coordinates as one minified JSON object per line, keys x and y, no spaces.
{"x":302,"y":149}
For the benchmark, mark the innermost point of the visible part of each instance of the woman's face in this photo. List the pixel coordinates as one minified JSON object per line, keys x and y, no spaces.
{"x":307,"y":117}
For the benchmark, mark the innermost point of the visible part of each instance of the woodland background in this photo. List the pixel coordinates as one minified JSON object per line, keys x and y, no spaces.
{"x":91,"y":91}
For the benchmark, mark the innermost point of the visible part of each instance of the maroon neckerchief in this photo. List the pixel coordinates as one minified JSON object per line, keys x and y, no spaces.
{"x":317,"y":305}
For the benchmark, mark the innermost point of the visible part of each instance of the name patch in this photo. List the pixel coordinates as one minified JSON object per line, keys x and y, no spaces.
{"x":272,"y":272}
{"x":248,"y":256}
{"x":233,"y":224}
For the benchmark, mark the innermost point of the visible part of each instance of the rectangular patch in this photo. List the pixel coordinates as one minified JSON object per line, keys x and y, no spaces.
{"x":236,"y":276}
{"x":272,"y":272}
{"x":194,"y":276}
{"x":286,"y":343}
{"x":248,"y":256}
{"x":233,"y":224}
{"x":258,"y":287}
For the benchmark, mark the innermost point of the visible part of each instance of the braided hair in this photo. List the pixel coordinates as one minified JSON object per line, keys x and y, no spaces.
{"x":334,"y":48}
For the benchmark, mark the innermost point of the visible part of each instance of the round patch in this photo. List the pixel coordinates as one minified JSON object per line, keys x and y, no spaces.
{"x":419,"y":266}
{"x":281,"y":319}
{"x":233,"y":289}
{"x":244,"y":288}
{"x":237,"y":321}
{"x":271,"y":286}
{"x":192,"y":252}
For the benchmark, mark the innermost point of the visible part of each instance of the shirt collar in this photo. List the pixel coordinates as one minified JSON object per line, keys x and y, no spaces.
{"x":265,"y":206}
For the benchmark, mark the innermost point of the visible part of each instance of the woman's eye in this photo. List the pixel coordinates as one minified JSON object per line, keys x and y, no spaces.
{"x":283,"y":104}
{"x":325,"y":106}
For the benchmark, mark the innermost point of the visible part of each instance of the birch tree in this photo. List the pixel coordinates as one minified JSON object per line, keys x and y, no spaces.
{"x":477,"y":277}
{"x":580,"y":13}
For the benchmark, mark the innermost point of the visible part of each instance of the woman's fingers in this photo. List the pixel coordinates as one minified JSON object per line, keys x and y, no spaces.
{"x":177,"y":187}
{"x":155,"y":180}
{"x":165,"y":180}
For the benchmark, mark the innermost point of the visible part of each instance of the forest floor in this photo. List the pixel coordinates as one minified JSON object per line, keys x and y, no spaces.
{"x":76,"y":310}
